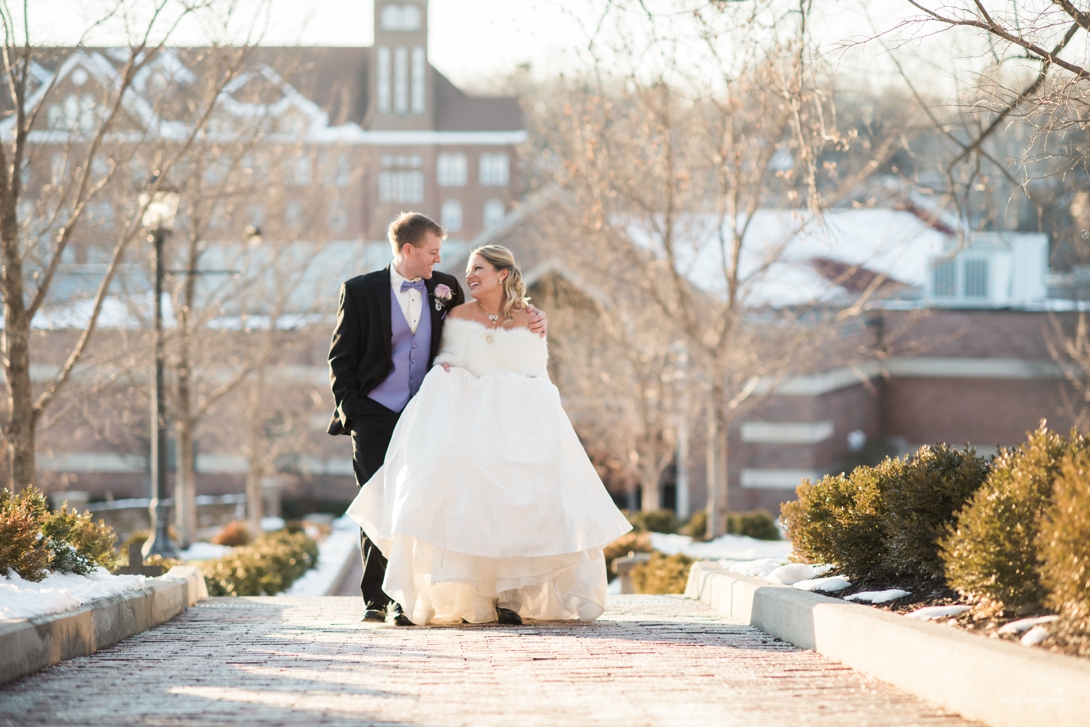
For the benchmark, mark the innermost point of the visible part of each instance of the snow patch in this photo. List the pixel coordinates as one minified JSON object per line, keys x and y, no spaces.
{"x":1025,"y":624}
{"x":343,"y":543}
{"x":59,"y":592}
{"x":828,"y":584}
{"x":891,"y":594}
{"x":1034,"y":636}
{"x":205,"y":551}
{"x":760,"y":568}
{"x":725,"y":547}
{"x":931,"y":612}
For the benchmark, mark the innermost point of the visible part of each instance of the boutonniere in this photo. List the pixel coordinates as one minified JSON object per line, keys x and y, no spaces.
{"x":442,"y":295}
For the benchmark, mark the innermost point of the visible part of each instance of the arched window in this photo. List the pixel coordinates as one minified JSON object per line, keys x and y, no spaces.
{"x":391,"y":17}
{"x":410,"y":17}
{"x":493,"y":213}
{"x":452,"y":215}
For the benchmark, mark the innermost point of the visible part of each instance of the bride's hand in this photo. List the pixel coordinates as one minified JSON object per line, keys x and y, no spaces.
{"x":446,"y":367}
{"x":539,"y":322}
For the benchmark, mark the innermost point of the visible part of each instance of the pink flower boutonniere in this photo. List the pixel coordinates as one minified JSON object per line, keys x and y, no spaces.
{"x":442,"y":295}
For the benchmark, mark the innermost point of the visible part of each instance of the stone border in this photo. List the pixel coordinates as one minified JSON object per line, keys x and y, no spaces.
{"x":30,"y":644}
{"x":996,"y":682}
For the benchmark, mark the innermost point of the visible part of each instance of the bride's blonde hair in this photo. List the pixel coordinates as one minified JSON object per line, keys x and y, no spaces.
{"x":514,"y":289}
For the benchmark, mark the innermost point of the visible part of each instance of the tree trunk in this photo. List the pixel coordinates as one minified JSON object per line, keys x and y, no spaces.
{"x":255,"y":503}
{"x":652,"y":499}
{"x":718,"y":429}
{"x":16,"y":355}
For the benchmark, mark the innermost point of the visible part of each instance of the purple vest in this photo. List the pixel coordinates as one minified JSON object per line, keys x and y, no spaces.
{"x":409,"y":362}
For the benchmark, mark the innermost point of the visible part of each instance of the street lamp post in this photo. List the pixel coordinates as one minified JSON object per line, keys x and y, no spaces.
{"x":160,"y":209}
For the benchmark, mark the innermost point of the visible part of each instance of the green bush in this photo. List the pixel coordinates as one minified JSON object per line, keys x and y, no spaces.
{"x":1063,"y":543}
{"x":991,"y":552}
{"x":654,"y":521}
{"x":841,"y":520}
{"x":20,"y":525}
{"x":34,"y":541}
{"x":267,"y":566}
{"x":630,"y":542}
{"x":758,"y":524}
{"x":697,"y":527}
{"x":934,"y":484}
{"x":662,"y":574}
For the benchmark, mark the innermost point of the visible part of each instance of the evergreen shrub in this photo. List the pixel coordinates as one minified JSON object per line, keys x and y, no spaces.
{"x":697,"y":527}
{"x":654,"y":521}
{"x":630,"y":542}
{"x":1063,"y":542}
{"x":932,"y":486}
{"x":662,"y":574}
{"x":991,"y":552}
{"x":842,"y":520}
{"x":34,"y":541}
{"x":234,"y":533}
{"x":267,"y":566}
{"x":758,"y":524}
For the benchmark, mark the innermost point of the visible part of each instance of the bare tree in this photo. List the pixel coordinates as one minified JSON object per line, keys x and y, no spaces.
{"x":78,"y":124}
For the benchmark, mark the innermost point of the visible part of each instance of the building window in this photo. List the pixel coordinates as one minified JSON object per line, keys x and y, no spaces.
{"x":338,"y":216}
{"x":495,"y":170}
{"x":293,"y":215}
{"x":343,"y":173}
{"x":944,"y":280}
{"x":401,"y":80}
{"x":297,"y":170}
{"x":401,"y":17}
{"x":451,"y":218}
{"x":418,"y":80}
{"x":451,"y":169}
{"x":58,"y":167}
{"x":493,"y":213}
{"x":401,"y":187}
{"x":976,"y":278}
{"x":383,"y":72}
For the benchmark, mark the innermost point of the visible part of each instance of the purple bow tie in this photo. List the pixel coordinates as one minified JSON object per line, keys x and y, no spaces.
{"x":419,"y":285}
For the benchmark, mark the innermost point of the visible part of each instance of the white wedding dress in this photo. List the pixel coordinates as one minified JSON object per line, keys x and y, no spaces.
{"x":486,"y":493}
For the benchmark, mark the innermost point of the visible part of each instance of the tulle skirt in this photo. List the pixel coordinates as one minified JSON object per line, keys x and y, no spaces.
{"x":487,"y":497}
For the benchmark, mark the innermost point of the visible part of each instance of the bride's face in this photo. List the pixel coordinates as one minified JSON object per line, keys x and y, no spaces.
{"x":482,"y":278}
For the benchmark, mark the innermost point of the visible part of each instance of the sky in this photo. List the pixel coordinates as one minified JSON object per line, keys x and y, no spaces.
{"x":472,"y":41}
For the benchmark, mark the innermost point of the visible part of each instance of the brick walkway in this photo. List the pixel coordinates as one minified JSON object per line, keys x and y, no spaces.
{"x":651,"y":660}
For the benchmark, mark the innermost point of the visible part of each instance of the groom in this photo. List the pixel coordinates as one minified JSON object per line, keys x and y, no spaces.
{"x":387,"y":335}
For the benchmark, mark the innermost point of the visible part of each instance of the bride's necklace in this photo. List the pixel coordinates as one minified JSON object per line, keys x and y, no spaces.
{"x":493,"y":319}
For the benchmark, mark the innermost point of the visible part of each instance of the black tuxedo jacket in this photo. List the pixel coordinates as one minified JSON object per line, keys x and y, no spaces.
{"x":361,"y":351}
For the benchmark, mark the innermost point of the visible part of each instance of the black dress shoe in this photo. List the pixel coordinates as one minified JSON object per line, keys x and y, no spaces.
{"x":374,"y":615}
{"x":398,"y":616}
{"x":508,"y":617}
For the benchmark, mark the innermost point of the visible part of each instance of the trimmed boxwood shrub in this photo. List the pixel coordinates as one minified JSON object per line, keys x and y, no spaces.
{"x":842,"y":520}
{"x":697,"y":527}
{"x":991,"y":552}
{"x":662,"y":574}
{"x":758,"y":524}
{"x":655,"y":521}
{"x":34,"y":540}
{"x":1063,"y":542}
{"x":265,"y":567}
{"x":630,"y":542}
{"x":923,"y":500}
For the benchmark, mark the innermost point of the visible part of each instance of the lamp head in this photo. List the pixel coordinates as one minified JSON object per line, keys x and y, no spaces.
{"x":160,"y":208}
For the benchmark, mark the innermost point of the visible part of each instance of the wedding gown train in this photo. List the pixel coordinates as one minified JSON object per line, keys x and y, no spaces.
{"x":486,"y":493}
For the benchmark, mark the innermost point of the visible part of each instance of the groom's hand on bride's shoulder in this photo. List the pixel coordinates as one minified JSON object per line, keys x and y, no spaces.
{"x":539,"y":322}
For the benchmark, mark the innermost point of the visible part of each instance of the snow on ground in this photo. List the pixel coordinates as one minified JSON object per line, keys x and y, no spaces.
{"x":205,"y":551}
{"x":877,"y":596}
{"x":829,"y":584}
{"x":1017,"y":627}
{"x":760,"y":568}
{"x":343,"y":543}
{"x":931,"y":612}
{"x":1034,"y":636}
{"x":725,"y":547}
{"x":59,"y":592}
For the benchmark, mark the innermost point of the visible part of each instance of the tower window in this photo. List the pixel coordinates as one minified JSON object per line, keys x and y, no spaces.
{"x":401,"y":17}
{"x":401,"y":79}
{"x":418,"y":80}
{"x":383,"y":71}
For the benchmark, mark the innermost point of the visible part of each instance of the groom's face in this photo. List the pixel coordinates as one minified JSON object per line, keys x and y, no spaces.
{"x":419,"y":261}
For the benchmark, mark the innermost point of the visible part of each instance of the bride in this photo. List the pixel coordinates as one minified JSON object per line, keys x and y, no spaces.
{"x":487,"y":507}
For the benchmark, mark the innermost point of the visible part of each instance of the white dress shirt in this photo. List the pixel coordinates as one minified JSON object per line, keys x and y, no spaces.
{"x":411,"y":301}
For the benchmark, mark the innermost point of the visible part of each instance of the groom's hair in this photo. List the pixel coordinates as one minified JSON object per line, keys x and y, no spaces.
{"x":410,"y":228}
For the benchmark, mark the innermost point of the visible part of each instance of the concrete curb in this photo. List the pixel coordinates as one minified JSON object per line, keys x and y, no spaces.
{"x":996,"y":682}
{"x":346,"y":568}
{"x":27,"y":645}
